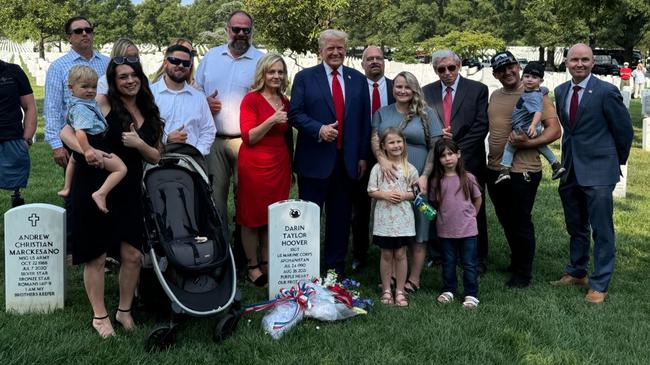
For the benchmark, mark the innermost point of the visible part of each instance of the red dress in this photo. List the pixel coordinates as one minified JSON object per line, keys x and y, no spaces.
{"x":263,"y":169}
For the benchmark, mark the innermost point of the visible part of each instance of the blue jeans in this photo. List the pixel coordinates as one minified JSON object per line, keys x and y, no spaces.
{"x":468,"y":252}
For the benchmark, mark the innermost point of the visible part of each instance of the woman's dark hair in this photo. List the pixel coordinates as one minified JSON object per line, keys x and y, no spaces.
{"x":144,"y":100}
{"x":439,"y":170}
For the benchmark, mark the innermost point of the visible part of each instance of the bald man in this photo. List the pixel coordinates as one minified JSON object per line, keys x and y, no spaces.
{"x":597,"y":139}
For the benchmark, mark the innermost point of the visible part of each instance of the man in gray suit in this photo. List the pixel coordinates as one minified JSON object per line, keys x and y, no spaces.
{"x":461,"y":104}
{"x":596,"y":141}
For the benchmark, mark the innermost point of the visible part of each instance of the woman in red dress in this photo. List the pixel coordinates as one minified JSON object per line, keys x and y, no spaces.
{"x":264,"y":164}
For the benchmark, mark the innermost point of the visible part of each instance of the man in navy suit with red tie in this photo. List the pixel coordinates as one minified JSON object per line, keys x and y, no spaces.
{"x":596,"y":141}
{"x":381,"y":94}
{"x":330,"y":108}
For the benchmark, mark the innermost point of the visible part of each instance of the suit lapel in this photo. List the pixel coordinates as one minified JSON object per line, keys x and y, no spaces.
{"x":389,"y":91}
{"x":458,"y":99}
{"x":347,"y":81}
{"x":586,"y":99}
{"x":323,"y":84}
{"x":436,"y":96}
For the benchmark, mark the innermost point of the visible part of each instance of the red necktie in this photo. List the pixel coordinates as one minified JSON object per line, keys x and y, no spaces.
{"x":376,"y":100}
{"x":339,"y":106}
{"x":446,"y":106}
{"x":573,"y":108}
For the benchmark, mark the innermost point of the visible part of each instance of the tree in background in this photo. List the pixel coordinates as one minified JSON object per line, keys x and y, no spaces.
{"x":294,"y":24}
{"x":38,"y":20}
{"x":112,"y":19}
{"x":158,"y":21}
{"x":466,"y":45}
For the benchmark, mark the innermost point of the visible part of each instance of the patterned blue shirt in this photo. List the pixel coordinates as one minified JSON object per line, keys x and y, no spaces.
{"x":84,"y":114}
{"x":57,"y":94}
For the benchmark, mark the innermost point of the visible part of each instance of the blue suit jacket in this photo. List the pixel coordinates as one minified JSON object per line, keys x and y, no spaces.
{"x":601,"y":139}
{"x":312,"y":107}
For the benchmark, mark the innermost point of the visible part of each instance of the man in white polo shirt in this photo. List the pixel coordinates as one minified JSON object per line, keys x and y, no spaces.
{"x":225,"y":75}
{"x":186,"y":113}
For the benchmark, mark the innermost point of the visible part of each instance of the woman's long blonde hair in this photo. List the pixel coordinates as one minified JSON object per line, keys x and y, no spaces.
{"x":263,"y":66}
{"x":417,"y":106}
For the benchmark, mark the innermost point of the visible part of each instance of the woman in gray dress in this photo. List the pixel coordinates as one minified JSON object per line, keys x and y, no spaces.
{"x":422,"y":128}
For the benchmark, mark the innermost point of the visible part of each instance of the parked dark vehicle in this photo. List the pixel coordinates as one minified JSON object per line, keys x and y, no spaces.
{"x":471,"y":62}
{"x":605,"y":65}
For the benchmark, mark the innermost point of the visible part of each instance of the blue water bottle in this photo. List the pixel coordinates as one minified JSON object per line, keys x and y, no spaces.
{"x":421,"y":204}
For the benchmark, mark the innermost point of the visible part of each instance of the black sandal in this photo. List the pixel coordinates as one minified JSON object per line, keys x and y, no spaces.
{"x":412,"y":289}
{"x":264,"y":263}
{"x":120,"y":323}
{"x":261,"y":281}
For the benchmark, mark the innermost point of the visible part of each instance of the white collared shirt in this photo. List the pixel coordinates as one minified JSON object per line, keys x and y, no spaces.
{"x":454,"y":87}
{"x":189,"y":108}
{"x":583,"y":86}
{"x":330,"y":77}
{"x":383,"y":93}
{"x":232,"y":78}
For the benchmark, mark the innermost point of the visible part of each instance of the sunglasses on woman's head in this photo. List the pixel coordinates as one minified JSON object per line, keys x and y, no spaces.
{"x":177,"y":61}
{"x":120,"y":60}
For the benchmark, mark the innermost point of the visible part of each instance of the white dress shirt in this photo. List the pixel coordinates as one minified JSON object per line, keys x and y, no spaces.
{"x":330,"y":77}
{"x":383,"y":93}
{"x":454,"y":87}
{"x":232,"y":78}
{"x":189,"y":108}
{"x":583,"y":86}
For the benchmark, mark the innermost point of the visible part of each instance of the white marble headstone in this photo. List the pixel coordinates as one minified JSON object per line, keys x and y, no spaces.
{"x":35,"y":237}
{"x":294,"y":243}
{"x":645,"y":103}
{"x":645,"y":140}
{"x":620,"y":190}
{"x":627,"y":95}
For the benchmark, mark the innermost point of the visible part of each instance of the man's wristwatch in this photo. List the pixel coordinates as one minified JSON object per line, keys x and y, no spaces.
{"x":29,"y":141}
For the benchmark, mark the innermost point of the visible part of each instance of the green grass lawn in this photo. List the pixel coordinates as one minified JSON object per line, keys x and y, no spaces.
{"x":538,"y":325}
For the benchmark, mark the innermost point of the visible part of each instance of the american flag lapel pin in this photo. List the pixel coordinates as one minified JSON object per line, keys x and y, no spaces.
{"x":590,"y":91}
{"x":349,"y":77}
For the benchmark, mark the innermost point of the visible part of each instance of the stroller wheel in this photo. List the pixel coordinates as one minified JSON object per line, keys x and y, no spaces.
{"x":226,"y":327}
{"x":161,"y":338}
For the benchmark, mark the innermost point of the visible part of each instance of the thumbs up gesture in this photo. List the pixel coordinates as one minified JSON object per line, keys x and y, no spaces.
{"x":177,"y":135}
{"x":214,"y":103}
{"x":131,"y":138}
{"x":329,"y":132}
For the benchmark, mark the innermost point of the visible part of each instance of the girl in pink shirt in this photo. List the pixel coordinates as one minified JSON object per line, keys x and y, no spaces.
{"x":457,"y":196}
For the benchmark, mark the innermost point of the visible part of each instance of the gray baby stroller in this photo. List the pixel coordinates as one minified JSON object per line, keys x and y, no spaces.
{"x":188,"y":251}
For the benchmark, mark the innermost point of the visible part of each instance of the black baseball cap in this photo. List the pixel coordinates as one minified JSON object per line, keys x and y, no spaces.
{"x":535,"y":69}
{"x":502,"y":59}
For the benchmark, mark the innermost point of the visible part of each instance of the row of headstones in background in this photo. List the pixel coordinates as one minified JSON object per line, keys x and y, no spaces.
{"x":620,"y":190}
{"x":34,"y":258}
{"x":645,"y":110}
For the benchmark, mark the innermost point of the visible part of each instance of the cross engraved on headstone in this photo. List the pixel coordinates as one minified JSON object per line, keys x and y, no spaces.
{"x":33,"y":218}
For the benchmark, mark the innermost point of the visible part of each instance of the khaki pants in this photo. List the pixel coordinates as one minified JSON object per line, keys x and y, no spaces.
{"x":637,"y":90}
{"x":222,"y":164}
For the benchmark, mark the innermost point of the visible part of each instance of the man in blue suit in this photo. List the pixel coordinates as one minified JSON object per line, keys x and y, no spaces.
{"x":596,"y":141}
{"x":330,"y":108}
